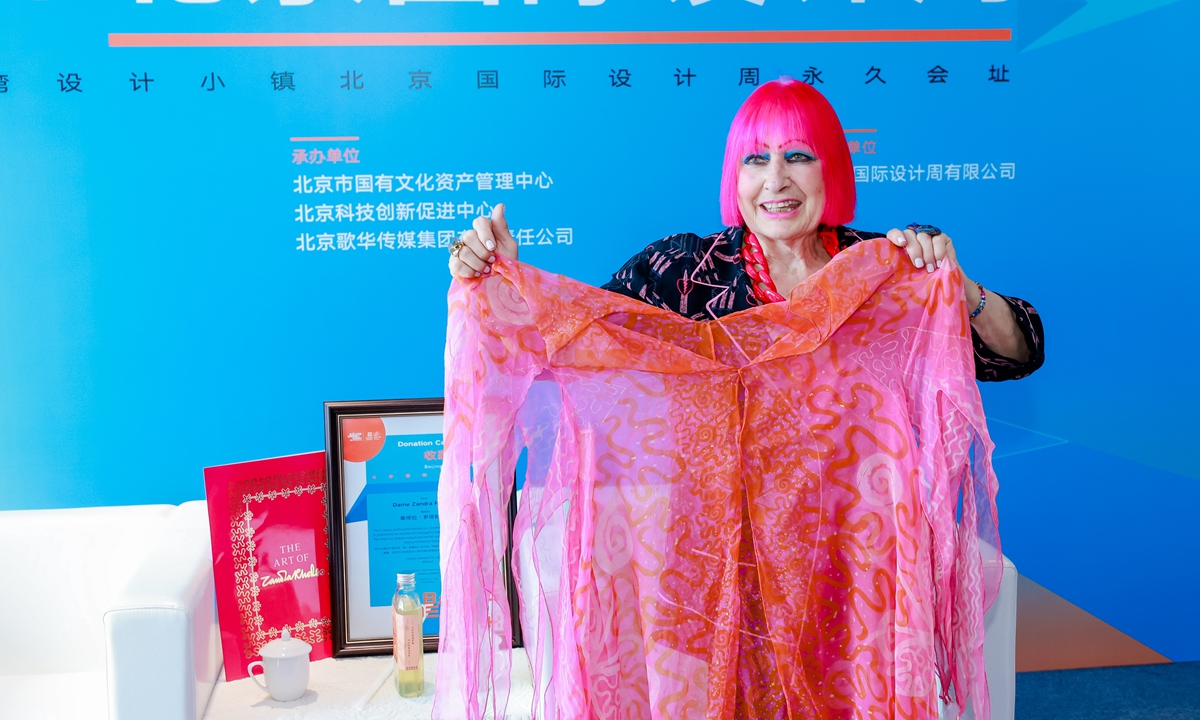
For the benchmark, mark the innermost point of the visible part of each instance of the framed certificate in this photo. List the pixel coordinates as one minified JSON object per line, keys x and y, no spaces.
{"x":384,"y":461}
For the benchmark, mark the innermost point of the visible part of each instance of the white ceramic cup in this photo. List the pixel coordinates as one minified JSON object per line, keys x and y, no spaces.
{"x":285,"y":668}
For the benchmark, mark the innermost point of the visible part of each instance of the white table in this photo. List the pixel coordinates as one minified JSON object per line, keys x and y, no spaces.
{"x":335,"y":685}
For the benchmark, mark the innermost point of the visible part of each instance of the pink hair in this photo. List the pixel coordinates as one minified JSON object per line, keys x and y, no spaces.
{"x":786,"y":109}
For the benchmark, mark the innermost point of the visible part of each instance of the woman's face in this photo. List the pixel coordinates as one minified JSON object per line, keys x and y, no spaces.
{"x":780,"y":190}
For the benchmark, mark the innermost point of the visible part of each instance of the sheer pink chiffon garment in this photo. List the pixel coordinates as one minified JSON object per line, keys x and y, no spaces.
{"x":786,"y":513}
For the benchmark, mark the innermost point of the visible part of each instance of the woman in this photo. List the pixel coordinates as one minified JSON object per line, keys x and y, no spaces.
{"x":787,"y":191}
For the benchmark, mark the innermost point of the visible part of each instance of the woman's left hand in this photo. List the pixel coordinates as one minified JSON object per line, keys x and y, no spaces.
{"x":995,"y":323}
{"x":927,"y":251}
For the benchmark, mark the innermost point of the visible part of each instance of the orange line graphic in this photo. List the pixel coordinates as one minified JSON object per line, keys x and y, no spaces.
{"x":620,"y":37}
{"x":336,"y":138}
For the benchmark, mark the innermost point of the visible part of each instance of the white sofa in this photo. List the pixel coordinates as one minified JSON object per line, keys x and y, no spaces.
{"x":999,"y":651}
{"x":107,"y":613}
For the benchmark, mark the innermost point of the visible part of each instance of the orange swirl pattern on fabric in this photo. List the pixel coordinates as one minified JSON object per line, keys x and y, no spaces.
{"x":786,"y":513}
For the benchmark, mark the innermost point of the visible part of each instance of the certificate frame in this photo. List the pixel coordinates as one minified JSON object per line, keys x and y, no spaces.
{"x":345,"y":550}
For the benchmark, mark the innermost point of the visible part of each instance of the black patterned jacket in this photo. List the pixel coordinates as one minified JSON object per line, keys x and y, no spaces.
{"x":665,"y":275}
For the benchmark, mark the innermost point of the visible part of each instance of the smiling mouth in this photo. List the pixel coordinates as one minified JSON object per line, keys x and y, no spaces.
{"x":780,"y":206}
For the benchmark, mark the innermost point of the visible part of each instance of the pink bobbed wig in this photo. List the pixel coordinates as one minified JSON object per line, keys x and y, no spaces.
{"x":787,"y":109}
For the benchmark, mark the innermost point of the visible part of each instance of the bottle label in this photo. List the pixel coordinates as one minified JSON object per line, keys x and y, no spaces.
{"x":407,"y":640}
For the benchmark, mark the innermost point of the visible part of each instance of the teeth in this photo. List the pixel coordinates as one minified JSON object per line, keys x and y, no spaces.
{"x":781,"y":206}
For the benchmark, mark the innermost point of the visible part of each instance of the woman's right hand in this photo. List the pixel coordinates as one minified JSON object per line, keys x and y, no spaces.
{"x":487,"y":238}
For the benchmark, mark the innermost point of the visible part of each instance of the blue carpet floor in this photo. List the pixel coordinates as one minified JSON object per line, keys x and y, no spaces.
{"x":1143,"y":692}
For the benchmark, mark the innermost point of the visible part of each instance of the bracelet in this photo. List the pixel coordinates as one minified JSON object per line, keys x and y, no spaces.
{"x":982,"y":302}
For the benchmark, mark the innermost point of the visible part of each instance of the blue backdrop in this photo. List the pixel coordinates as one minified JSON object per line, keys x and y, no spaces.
{"x":186,"y":274}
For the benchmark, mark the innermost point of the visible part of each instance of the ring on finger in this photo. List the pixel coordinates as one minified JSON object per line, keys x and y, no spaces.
{"x":930,"y":230}
{"x":456,"y":247}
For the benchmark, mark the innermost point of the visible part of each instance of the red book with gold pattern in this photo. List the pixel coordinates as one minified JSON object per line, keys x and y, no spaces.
{"x":270,"y":543}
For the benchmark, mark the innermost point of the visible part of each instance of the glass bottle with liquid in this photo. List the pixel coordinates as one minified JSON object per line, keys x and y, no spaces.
{"x":408,"y":638}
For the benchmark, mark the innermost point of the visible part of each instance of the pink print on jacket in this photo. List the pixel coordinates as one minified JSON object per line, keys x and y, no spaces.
{"x":788,"y":512}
